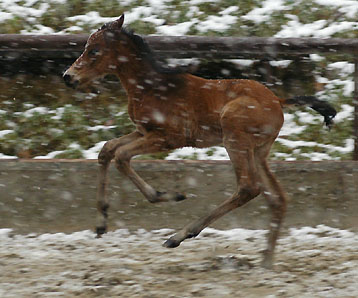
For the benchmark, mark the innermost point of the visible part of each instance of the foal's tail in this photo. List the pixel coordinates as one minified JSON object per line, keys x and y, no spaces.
{"x":322,"y":107}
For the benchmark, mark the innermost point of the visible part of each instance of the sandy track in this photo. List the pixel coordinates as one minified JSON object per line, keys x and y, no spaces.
{"x":310,"y":262}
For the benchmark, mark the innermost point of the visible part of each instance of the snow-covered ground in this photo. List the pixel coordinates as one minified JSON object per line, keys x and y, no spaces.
{"x":310,"y":262}
{"x":289,"y":128}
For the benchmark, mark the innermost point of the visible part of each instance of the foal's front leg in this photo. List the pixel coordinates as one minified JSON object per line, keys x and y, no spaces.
{"x":149,"y":143}
{"x":123,"y":149}
{"x":104,"y":160}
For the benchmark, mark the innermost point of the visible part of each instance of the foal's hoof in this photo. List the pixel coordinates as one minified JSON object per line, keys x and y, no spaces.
{"x":100,"y":231}
{"x":170,"y":196}
{"x":179,"y":197}
{"x":171,"y":243}
{"x":267,"y":262}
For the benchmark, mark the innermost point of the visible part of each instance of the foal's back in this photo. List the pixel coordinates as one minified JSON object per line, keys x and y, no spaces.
{"x":252,"y":104}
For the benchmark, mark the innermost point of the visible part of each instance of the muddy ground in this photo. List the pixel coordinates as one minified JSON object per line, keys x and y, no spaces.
{"x":317,"y":255}
{"x":310,"y":262}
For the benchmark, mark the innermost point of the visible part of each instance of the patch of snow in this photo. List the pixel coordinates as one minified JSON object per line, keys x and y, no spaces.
{"x":290,"y":127}
{"x":176,"y":30}
{"x":281,"y":63}
{"x":39,"y":29}
{"x":345,"y":114}
{"x":159,"y":5}
{"x":317,"y":29}
{"x":4,"y":16}
{"x":294,"y":144}
{"x":154,"y":19}
{"x":50,"y":155}
{"x":138,"y":13}
{"x":3,"y":156}
{"x":38,"y":110}
{"x":100,"y":127}
{"x":217,"y":23}
{"x":294,"y":28}
{"x":318,"y":156}
{"x":91,"y":17}
{"x":242,"y":62}
{"x":5,"y":132}
{"x":92,"y":153}
{"x":308,"y":118}
{"x":344,"y":67}
{"x":348,"y":7}
{"x":262,"y":14}
{"x":58,"y":113}
{"x":211,"y":153}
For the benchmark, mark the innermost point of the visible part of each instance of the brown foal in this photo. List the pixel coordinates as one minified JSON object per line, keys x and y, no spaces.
{"x":173,"y":109}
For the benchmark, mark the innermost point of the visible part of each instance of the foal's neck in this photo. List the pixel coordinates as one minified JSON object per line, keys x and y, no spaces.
{"x":139,"y":77}
{"x":133,"y":72}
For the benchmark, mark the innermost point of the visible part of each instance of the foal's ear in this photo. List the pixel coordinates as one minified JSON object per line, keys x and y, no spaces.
{"x":117,"y":24}
{"x":120,"y":21}
{"x":114,"y":29}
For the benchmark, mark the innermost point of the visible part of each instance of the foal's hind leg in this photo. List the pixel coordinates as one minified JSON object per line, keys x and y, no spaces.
{"x":104,"y":160}
{"x":276,"y":198}
{"x":242,"y":157}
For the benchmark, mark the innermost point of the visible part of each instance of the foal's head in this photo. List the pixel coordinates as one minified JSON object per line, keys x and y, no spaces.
{"x":100,"y":57}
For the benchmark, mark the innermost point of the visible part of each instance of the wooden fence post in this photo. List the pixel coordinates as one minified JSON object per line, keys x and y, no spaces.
{"x":355,"y":104}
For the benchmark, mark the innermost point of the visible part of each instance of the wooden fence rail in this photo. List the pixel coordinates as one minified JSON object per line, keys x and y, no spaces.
{"x":14,"y":47}
{"x":183,"y":46}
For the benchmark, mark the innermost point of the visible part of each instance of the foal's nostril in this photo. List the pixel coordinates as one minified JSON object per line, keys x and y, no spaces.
{"x":68,"y":80}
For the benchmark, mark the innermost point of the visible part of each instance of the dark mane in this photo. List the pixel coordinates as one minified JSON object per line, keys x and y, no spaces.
{"x":147,"y":54}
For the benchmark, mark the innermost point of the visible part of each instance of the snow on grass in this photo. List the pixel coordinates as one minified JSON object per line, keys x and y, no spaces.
{"x":3,"y":156}
{"x":91,"y":17}
{"x":212,"y":153}
{"x":348,"y":7}
{"x":317,"y":29}
{"x":263,"y":13}
{"x":5,"y":132}
{"x":294,"y":144}
{"x":290,"y":127}
{"x":176,"y":30}
{"x":219,"y":23}
{"x":38,"y":110}
{"x":169,"y":20}
{"x":100,"y":127}
{"x":92,"y":153}
{"x":54,"y":154}
{"x":345,"y":114}
{"x":4,"y":16}
{"x":50,"y":155}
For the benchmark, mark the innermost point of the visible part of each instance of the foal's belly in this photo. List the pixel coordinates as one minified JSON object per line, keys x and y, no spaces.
{"x":207,"y":136}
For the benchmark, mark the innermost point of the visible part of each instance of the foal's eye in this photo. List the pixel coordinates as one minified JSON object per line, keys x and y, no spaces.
{"x":93,"y":53}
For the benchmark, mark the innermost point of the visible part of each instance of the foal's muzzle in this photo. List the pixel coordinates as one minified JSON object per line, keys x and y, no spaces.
{"x":69,"y":81}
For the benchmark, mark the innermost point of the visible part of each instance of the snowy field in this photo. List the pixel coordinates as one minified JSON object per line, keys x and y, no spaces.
{"x":274,"y":18}
{"x":155,"y":12}
{"x":310,"y":262}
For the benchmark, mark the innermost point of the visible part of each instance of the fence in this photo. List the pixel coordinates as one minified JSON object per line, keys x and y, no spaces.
{"x":60,"y":195}
{"x":14,"y":48}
